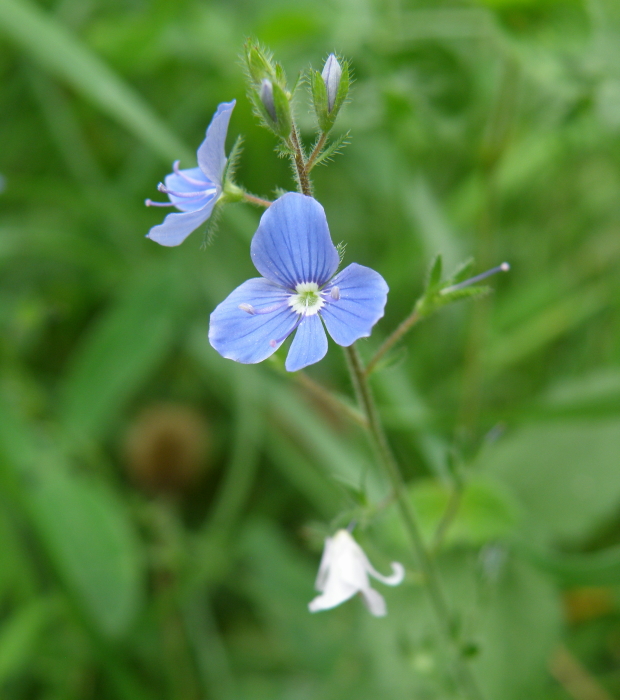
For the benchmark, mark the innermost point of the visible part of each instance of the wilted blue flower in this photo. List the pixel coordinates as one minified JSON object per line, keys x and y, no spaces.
{"x":294,"y":252}
{"x":196,"y":190}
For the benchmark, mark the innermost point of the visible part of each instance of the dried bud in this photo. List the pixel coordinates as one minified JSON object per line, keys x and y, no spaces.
{"x":332,"y":72}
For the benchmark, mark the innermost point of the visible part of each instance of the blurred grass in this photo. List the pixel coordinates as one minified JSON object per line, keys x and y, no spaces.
{"x":484,"y":128}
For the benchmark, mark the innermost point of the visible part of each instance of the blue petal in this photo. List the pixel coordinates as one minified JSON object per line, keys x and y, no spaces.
{"x":244,"y":337}
{"x":211,"y":154}
{"x":177,"y":183}
{"x":309,"y":344}
{"x":363,"y":293}
{"x":292,"y":243}
{"x":177,"y":227}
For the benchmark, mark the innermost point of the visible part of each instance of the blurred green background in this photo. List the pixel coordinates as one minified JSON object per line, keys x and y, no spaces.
{"x":162,"y":510}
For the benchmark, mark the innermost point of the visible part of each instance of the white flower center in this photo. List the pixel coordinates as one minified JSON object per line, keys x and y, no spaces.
{"x":308,"y":300}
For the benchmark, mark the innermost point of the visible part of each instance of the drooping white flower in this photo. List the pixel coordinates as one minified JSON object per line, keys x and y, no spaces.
{"x":343,"y":572}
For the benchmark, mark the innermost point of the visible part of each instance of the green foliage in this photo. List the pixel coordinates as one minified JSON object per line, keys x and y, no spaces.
{"x":439,"y":294}
{"x":487,"y":130}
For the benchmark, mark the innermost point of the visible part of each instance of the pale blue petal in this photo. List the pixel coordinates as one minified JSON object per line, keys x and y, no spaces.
{"x":363,"y":294}
{"x":292,"y":243}
{"x":244,"y":337}
{"x":211,"y":153}
{"x":177,"y":183}
{"x":309,"y":344}
{"x":177,"y":227}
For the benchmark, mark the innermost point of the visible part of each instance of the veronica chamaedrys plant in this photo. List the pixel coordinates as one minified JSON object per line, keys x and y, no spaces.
{"x":344,"y":571}
{"x":293,"y":250}
{"x":194,"y":191}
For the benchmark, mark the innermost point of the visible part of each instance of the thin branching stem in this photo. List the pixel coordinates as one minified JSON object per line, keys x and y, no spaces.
{"x":391,"y":340}
{"x":300,"y":163}
{"x":252,"y":199}
{"x":333,"y":402}
{"x":316,"y":152}
{"x":461,"y":672}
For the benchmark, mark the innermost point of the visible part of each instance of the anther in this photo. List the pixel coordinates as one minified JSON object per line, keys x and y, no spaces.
{"x":504,"y":267}
{"x":248,"y":308}
{"x":335,"y":293}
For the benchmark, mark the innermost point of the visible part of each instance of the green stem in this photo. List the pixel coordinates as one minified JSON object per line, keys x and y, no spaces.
{"x":392,"y":339}
{"x":256,"y":200}
{"x":316,"y":151}
{"x":331,"y":400}
{"x":462,"y":674}
{"x":305,"y":185}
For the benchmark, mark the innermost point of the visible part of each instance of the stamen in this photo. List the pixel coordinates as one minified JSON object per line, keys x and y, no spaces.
{"x":188,"y":195}
{"x":335,"y":293}
{"x":150,"y":203}
{"x":275,"y":343}
{"x":269,"y":309}
{"x":187,"y":178}
{"x":504,"y":267}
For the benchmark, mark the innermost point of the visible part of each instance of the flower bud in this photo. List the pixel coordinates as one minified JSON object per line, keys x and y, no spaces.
{"x":258,"y":62}
{"x":329,"y":91}
{"x":266,"y":96}
{"x":332,"y":72}
{"x":274,"y":106}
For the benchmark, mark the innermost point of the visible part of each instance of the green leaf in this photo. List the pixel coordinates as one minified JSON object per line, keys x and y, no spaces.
{"x":483,"y":511}
{"x":81,"y":523}
{"x":434,"y":275}
{"x":564,"y":473}
{"x":333,"y":149}
{"x":600,"y":568}
{"x":119,"y":353}
{"x":90,"y":541}
{"x":19,"y":636}
{"x":62,"y":54}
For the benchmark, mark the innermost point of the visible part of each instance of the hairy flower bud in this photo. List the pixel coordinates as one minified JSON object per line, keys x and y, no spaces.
{"x":273,"y":104}
{"x":329,"y":91}
{"x":258,"y":62}
{"x":332,"y":72}
{"x":266,"y":96}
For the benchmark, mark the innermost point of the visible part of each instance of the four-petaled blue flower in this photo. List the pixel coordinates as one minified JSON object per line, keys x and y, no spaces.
{"x":294,"y":252}
{"x":196,"y":190}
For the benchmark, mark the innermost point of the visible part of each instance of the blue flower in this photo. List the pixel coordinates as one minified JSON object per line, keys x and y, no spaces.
{"x":196,"y":190}
{"x":294,"y":252}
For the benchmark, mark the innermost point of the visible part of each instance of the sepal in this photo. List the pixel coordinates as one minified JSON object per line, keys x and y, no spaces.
{"x":329,"y":91}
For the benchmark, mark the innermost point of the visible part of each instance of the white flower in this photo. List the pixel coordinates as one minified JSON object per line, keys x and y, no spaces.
{"x":343,"y":572}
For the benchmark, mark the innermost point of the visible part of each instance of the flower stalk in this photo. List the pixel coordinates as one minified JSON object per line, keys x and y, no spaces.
{"x":461,"y":672}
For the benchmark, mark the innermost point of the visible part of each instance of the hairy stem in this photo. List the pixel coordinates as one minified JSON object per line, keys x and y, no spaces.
{"x":316,"y":152}
{"x":300,"y":164}
{"x":462,"y":674}
{"x":256,"y":200}
{"x":392,"y":339}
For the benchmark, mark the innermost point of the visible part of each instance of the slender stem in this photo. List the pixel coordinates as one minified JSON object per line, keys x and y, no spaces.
{"x":462,"y":674}
{"x":575,"y":678}
{"x":256,"y":200}
{"x":300,"y":164}
{"x":447,"y":519}
{"x":316,"y":151}
{"x":329,"y":399}
{"x":392,"y":339}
